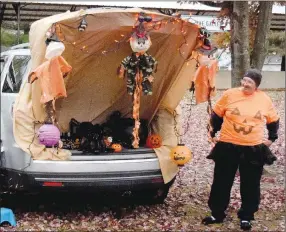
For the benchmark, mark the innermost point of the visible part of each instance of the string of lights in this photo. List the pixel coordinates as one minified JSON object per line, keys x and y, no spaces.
{"x":151,"y":25}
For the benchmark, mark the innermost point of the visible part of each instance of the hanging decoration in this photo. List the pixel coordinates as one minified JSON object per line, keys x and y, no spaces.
{"x":51,"y":74}
{"x":49,"y":135}
{"x":138,"y":69}
{"x":181,"y":154}
{"x":83,"y":24}
{"x":204,"y":45}
{"x":204,"y":79}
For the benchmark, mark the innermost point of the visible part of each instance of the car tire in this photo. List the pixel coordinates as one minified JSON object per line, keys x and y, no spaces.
{"x":155,"y":196}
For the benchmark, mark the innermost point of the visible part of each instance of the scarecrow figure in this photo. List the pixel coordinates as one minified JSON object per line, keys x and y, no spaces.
{"x":138,"y":69}
{"x":143,"y":63}
{"x":139,"y":61}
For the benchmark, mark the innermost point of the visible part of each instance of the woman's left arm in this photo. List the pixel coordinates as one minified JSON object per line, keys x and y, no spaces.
{"x":272,"y":123}
{"x":273,"y":130}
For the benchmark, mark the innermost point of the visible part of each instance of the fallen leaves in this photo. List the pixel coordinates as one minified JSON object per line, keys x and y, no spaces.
{"x":186,"y":203}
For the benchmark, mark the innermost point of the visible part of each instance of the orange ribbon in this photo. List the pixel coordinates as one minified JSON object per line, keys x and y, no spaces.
{"x":136,"y":109}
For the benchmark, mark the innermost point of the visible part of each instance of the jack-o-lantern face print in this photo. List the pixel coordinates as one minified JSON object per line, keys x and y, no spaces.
{"x":246,"y":128}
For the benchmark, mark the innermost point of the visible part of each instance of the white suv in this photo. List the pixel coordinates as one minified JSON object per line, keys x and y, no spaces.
{"x":130,"y":170}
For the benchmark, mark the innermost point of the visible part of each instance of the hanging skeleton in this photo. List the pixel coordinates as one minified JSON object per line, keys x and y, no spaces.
{"x":138,"y":69}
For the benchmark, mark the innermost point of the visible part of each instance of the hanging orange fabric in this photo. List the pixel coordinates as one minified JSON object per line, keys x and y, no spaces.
{"x":136,"y":109}
{"x":51,"y":75}
{"x":212,"y":74}
{"x":205,"y":81}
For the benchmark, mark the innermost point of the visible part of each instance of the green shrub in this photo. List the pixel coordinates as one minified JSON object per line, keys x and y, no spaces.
{"x":277,"y":42}
{"x":9,"y":39}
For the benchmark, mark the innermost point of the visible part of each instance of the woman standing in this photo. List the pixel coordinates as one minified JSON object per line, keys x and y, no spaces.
{"x":239,"y":115}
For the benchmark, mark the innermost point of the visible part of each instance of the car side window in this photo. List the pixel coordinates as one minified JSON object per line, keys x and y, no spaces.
{"x":15,"y":74}
{"x":3,"y":62}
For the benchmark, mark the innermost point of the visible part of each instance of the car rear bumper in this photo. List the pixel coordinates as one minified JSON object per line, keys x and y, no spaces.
{"x":123,"y":181}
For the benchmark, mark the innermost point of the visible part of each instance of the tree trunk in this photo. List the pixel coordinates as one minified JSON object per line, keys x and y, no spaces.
{"x":261,"y":37}
{"x":239,"y":41}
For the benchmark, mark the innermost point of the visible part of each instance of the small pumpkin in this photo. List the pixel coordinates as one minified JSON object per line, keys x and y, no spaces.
{"x":181,"y":154}
{"x":154,"y":141}
{"x":116,"y":147}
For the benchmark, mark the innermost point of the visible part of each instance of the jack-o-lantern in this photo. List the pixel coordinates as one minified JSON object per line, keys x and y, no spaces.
{"x":154,"y":141}
{"x":181,"y":154}
{"x":116,"y":147}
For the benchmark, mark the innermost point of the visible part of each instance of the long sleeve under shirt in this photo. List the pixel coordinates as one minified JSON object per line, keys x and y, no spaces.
{"x":240,"y":117}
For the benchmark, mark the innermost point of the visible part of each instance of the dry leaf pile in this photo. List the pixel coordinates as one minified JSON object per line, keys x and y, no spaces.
{"x":186,"y":203}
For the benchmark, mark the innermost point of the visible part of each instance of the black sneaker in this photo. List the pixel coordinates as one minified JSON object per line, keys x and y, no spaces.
{"x":245,"y":225}
{"x":211,"y":220}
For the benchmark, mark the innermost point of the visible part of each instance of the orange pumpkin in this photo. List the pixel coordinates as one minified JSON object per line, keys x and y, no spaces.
{"x":154,"y":141}
{"x":116,"y":147}
{"x":181,"y":154}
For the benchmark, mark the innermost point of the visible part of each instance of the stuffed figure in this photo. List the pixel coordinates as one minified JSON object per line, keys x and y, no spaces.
{"x":138,"y":69}
{"x":139,"y":61}
{"x":143,"y":63}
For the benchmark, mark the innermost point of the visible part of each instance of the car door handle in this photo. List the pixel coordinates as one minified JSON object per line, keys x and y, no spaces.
{"x":12,"y":108}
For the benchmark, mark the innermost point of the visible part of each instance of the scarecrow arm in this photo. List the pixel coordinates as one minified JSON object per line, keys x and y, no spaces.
{"x":272,"y":130}
{"x":216,"y":123}
{"x":121,"y":71}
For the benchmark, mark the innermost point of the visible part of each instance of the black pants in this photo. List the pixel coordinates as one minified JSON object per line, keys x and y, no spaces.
{"x":228,"y":159}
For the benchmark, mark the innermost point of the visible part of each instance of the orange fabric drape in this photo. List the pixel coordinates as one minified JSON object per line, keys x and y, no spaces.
{"x":205,"y":81}
{"x":136,"y":109}
{"x":51,"y":75}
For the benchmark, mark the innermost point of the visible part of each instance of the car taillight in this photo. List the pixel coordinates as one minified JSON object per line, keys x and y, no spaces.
{"x":157,"y":180}
{"x":53,"y":184}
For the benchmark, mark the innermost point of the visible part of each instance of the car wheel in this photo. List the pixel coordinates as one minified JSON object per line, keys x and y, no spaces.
{"x":156,"y":196}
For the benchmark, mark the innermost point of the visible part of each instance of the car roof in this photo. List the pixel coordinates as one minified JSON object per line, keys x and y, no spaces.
{"x":25,"y":51}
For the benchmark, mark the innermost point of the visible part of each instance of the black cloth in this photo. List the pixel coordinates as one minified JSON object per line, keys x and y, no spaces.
{"x":216,"y":123}
{"x":273,"y":130}
{"x":228,"y":159}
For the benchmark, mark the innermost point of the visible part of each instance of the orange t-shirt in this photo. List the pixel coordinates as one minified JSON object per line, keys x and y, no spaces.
{"x":51,"y":74}
{"x":205,"y":81}
{"x":243,"y":116}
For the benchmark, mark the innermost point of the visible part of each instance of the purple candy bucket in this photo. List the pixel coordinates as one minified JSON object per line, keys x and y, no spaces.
{"x":49,"y":135}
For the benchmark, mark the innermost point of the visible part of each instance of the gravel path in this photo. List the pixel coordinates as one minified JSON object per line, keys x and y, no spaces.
{"x":185,"y":205}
